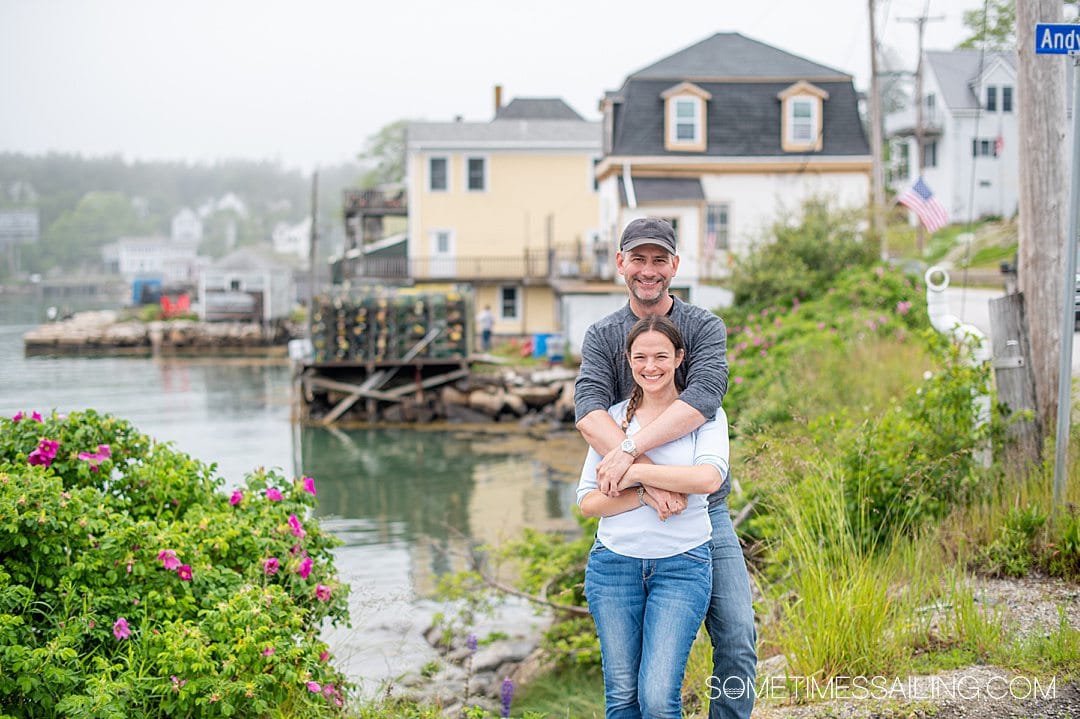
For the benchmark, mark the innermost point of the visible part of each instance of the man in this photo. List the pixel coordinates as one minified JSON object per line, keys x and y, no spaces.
{"x":647,"y":260}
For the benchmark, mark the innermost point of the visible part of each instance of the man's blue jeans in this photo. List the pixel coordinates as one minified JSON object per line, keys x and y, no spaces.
{"x":647,"y":613}
{"x":730,"y":623}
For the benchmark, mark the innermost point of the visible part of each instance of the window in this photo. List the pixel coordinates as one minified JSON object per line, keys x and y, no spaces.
{"x":442,"y":243}
{"x":686,"y":129}
{"x":801,"y":110}
{"x":476,"y":169}
{"x":991,"y":98}
{"x":716,"y":228}
{"x":508,"y":303}
{"x":982,"y":148}
{"x":684,"y":117}
{"x":438,"y":177}
{"x":1006,"y":98}
{"x":929,"y":154}
{"x":802,"y":120}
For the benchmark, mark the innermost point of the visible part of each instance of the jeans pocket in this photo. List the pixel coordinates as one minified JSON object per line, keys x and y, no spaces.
{"x":700,"y":554}
{"x":598,"y":548}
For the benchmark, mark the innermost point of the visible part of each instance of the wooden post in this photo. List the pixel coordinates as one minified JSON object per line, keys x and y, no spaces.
{"x":1015,"y":379}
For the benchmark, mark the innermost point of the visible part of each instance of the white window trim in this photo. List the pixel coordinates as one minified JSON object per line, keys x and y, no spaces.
{"x":427,"y":172}
{"x":673,"y":120}
{"x":433,"y":237}
{"x":487,"y":172}
{"x":815,"y":120}
{"x":517,"y":303}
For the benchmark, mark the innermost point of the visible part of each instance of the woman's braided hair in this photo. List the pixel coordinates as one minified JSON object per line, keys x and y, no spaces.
{"x":650,"y":323}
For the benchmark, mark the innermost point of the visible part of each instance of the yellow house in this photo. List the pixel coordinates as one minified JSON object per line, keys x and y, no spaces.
{"x":509,"y":206}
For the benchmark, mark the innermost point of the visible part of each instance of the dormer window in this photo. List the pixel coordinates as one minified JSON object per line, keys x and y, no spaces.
{"x":801,"y":107}
{"x":684,"y":117}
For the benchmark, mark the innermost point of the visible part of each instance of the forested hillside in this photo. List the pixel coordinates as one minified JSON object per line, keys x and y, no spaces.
{"x":85,"y":203}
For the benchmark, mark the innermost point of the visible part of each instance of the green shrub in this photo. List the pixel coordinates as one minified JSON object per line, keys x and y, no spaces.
{"x":800,"y":255}
{"x":131,"y":586}
{"x":1062,"y":554}
{"x":1013,"y":551}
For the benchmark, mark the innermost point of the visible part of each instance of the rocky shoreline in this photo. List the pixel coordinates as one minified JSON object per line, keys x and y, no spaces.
{"x":104,"y":332}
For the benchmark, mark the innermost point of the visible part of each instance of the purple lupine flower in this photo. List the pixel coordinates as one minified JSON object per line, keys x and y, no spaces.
{"x":507,"y":697}
{"x":470,"y":642}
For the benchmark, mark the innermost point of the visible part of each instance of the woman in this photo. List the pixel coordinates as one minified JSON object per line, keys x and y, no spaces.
{"x":648,"y":580}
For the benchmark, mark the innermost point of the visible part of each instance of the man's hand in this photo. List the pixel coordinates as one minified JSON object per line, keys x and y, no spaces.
{"x":667,"y":504}
{"x":611,"y":469}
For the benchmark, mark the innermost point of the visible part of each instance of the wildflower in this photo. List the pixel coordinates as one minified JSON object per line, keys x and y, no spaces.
{"x":821,"y":325}
{"x":328,"y":690}
{"x":268,"y":651}
{"x":737,"y":380}
{"x":184,"y":572}
{"x":120,"y":629}
{"x":314,"y":687}
{"x":324,"y":655}
{"x":879,"y":271}
{"x":17,"y":417}
{"x":168,"y":559}
{"x":177,"y":683}
{"x":903,"y":307}
{"x":308,"y":485}
{"x":274,"y":494}
{"x":236,"y":498}
{"x":507,"y":697}
{"x":470,"y":642}
{"x":45,"y":453}
{"x":270,"y":566}
{"x":96,"y":458}
{"x":322,"y":593}
{"x":297,"y":528}
{"x":305,"y":568}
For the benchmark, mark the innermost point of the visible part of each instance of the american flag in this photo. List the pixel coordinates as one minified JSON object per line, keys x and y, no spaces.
{"x":920,"y":200}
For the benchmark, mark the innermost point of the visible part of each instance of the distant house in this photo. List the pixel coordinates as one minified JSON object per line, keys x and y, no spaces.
{"x":245,"y":285}
{"x":508,"y":206}
{"x":187,"y":228}
{"x":719,"y":138}
{"x":293,"y":239}
{"x":173,"y":262}
{"x":970,"y":134}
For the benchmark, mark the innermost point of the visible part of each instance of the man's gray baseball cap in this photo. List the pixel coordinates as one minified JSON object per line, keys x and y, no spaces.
{"x":648,"y":231}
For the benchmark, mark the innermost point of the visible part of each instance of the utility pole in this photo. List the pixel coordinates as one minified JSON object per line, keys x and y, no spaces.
{"x":920,"y":132}
{"x":877,"y":177}
{"x":313,"y":274}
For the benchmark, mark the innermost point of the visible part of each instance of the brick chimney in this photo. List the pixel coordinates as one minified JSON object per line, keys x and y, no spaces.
{"x":498,"y":98}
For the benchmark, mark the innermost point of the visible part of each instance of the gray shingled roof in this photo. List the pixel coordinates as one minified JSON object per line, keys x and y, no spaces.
{"x":729,"y":54}
{"x":663,"y":189}
{"x":743,"y":119}
{"x":537,"y":108}
{"x":570,"y":133}
{"x":956,"y":70}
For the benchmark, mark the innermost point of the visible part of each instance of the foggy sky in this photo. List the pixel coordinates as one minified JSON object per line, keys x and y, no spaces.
{"x":305,"y":82}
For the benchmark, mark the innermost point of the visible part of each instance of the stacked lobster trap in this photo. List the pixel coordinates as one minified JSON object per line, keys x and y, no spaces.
{"x":381,"y":325}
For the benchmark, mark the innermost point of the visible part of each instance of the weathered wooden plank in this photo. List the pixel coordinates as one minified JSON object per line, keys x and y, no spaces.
{"x":1015,"y":378}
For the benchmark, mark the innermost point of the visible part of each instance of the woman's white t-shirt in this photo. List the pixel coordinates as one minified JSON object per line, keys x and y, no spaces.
{"x":639,"y":532}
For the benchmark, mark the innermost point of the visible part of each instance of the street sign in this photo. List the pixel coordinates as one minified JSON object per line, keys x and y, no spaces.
{"x":1056,"y":38}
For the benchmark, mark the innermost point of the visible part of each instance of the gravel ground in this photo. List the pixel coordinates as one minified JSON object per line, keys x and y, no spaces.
{"x":1029,"y":605}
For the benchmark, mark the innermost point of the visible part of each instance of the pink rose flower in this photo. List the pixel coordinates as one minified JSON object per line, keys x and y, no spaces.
{"x":268,"y":651}
{"x":184,"y":572}
{"x":236,"y":498}
{"x":274,"y":494}
{"x":297,"y":528}
{"x":308,"y":485}
{"x":314,"y":687}
{"x":322,"y":593}
{"x":168,"y":559}
{"x":120,"y":629}
{"x":271,"y":566}
{"x":305,"y":568}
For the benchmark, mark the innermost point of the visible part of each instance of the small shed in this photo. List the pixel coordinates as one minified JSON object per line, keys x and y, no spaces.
{"x":246,"y":286}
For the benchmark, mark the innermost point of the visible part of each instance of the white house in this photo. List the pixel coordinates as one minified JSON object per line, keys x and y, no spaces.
{"x":187,"y":227}
{"x":970,"y":134}
{"x":293,"y":239}
{"x":134,"y":256}
{"x":721,"y":137}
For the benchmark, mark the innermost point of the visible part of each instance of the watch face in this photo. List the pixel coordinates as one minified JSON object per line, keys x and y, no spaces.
{"x":628,"y":446}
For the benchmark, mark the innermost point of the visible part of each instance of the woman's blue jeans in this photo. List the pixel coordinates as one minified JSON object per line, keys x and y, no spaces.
{"x":647,"y":613}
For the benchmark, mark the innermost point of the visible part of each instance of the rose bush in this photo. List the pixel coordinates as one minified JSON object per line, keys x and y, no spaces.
{"x":130,"y":585}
